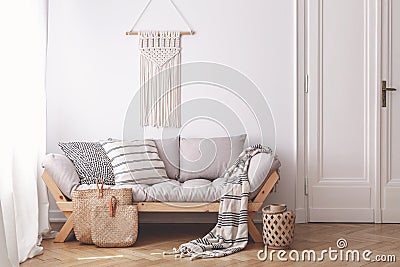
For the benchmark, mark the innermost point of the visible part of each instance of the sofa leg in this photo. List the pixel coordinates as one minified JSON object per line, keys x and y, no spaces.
{"x":66,"y":229}
{"x":253,"y":231}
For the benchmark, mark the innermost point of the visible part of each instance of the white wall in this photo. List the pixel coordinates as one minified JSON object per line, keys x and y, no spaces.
{"x":92,"y":71}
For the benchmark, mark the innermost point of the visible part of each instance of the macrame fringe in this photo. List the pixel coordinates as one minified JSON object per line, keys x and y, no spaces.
{"x":160,"y":79}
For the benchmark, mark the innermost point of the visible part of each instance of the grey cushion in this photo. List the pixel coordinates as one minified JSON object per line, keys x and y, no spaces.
{"x":208,"y":158}
{"x":196,"y":183}
{"x":63,"y":172}
{"x":168,"y":150}
{"x":197,"y":190}
{"x":173,"y":191}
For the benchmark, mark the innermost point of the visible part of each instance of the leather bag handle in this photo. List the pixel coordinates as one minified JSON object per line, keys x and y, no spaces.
{"x":100,"y":190}
{"x":113,"y":206}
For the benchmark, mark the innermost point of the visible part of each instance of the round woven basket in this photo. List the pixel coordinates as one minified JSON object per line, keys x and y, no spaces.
{"x":278,"y":226}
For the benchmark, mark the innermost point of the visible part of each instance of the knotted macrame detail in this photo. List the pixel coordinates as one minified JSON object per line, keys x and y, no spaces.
{"x":160,"y":78}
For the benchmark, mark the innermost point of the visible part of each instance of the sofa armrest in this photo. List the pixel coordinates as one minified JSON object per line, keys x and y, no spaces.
{"x":261,"y":166}
{"x":63,"y":172}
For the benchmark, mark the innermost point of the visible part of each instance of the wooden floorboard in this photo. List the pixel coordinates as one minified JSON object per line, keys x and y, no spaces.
{"x":383,"y":239}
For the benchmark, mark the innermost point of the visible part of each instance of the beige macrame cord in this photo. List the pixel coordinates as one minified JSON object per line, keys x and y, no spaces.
{"x":160,"y":78}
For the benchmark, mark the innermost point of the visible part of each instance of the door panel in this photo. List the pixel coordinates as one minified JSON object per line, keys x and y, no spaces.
{"x":342,"y":89}
{"x":390,"y":148}
{"x":342,"y":110}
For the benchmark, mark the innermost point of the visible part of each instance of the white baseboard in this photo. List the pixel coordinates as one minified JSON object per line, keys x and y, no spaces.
{"x":391,"y":215}
{"x":342,"y":215}
{"x":178,"y":217}
{"x":58,"y":216}
{"x":301,"y":216}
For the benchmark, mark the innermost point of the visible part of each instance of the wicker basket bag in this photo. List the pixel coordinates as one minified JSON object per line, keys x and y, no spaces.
{"x":83,"y":201}
{"x":278,"y":226}
{"x":114,"y":226}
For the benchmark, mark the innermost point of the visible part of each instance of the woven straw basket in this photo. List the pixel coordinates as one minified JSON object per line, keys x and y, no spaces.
{"x":83,"y":201}
{"x":278,"y":226}
{"x":114,"y":226}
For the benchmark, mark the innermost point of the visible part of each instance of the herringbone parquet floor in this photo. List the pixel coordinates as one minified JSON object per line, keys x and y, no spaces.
{"x":381,"y":239}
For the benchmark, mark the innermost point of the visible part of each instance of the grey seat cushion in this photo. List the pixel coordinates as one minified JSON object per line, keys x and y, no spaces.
{"x":195,"y":190}
{"x":200,"y":190}
{"x":208,"y":157}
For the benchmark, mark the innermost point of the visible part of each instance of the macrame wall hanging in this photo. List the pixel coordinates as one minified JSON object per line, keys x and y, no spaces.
{"x":160,"y":80}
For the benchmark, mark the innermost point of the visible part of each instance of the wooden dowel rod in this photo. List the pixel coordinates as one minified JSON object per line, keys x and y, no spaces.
{"x":137,"y":33}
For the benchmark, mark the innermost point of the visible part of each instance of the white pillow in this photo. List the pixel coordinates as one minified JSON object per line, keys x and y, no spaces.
{"x":135,"y":161}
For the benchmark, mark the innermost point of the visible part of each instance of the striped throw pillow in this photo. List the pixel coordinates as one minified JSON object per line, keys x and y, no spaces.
{"x":135,"y":161}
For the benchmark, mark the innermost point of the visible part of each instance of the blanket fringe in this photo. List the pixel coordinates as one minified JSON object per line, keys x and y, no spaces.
{"x":178,"y":253}
{"x":181,"y":254}
{"x":173,"y":252}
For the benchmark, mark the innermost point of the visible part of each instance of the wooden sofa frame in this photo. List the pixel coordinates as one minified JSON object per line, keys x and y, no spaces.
{"x":254,"y":206}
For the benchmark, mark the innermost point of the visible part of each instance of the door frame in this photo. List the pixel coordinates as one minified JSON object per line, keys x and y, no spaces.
{"x":302,"y":49}
{"x":301,"y":64}
{"x":386,"y":120}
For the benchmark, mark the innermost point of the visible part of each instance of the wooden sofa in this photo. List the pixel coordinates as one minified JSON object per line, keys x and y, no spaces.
{"x":65,"y":205}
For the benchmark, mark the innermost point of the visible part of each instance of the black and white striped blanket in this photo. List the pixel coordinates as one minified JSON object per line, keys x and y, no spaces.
{"x":230,"y":235}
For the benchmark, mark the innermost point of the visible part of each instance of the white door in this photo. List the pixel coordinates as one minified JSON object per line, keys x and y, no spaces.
{"x":390,"y":116}
{"x":342,"y":110}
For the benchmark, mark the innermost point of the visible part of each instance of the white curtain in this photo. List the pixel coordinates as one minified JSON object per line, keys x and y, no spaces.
{"x":23,"y":196}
